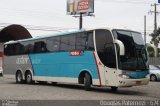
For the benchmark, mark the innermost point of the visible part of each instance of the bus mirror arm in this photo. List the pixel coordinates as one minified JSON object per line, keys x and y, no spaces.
{"x":121,"y":47}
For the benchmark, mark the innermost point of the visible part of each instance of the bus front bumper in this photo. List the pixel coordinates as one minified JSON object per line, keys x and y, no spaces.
{"x":132,"y":82}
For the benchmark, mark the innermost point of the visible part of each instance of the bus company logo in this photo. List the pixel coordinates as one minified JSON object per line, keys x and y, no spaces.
{"x":83,"y":5}
{"x":22,"y":60}
{"x":76,"y":53}
{"x":25,"y":60}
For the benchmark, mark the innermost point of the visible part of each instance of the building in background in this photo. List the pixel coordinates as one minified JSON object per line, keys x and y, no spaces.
{"x":12,"y":32}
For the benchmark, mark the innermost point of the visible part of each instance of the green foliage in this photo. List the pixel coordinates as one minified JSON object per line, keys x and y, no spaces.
{"x":150,"y":51}
{"x":154,"y":36}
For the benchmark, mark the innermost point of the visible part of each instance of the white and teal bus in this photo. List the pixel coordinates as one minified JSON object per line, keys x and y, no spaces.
{"x":98,"y":57}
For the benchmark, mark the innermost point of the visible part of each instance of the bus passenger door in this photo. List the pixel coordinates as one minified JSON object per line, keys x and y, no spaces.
{"x":106,"y":53}
{"x":110,"y":69}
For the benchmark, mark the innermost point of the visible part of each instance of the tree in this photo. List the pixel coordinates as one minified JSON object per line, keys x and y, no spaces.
{"x":151,"y":51}
{"x":155,"y":37}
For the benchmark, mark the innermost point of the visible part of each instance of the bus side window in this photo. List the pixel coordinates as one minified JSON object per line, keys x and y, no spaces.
{"x":81,"y":41}
{"x":29,"y":48}
{"x":105,"y":48}
{"x":19,"y":49}
{"x":5,"y":49}
{"x":67,"y":43}
{"x":53,"y":44}
{"x":12,"y":49}
{"x":9,"y":49}
{"x":40,"y":47}
{"x":90,"y":44}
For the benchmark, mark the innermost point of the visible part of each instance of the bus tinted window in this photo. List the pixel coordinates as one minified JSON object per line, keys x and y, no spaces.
{"x":9,"y":49}
{"x":76,"y":41}
{"x":14,"y":49}
{"x":126,"y":38}
{"x":105,"y":48}
{"x":40,"y":47}
{"x":81,"y":39}
{"x":67,"y":43}
{"x":72,"y":40}
{"x":90,"y":44}
{"x":53,"y":44}
{"x":19,"y":49}
{"x":29,"y":48}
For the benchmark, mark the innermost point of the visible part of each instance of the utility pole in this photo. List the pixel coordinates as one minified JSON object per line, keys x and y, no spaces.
{"x":145,"y":29}
{"x":155,"y":15}
{"x":80,"y":21}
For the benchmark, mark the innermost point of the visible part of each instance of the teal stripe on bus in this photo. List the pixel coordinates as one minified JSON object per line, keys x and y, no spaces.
{"x":62,"y":64}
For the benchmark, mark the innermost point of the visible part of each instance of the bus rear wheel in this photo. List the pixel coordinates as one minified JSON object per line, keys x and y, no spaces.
{"x":28,"y":77}
{"x":19,"y":78}
{"x":87,"y":82}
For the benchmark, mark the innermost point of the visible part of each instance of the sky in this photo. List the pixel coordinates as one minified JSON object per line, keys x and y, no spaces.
{"x":51,"y":15}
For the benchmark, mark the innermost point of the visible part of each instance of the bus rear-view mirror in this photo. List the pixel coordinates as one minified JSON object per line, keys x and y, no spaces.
{"x":120,"y":48}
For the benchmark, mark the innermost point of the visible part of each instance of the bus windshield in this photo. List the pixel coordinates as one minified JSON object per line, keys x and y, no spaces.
{"x":135,"y":57}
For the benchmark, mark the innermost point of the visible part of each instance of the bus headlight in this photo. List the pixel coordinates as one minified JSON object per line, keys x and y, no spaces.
{"x":124,"y":76}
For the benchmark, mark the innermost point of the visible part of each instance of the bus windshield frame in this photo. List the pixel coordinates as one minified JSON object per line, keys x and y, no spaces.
{"x":135,"y":57}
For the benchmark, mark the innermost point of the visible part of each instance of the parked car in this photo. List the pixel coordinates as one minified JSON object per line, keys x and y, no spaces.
{"x":1,"y":71}
{"x":154,"y":72}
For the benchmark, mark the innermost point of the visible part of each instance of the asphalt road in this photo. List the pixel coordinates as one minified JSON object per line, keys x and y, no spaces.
{"x":9,"y":90}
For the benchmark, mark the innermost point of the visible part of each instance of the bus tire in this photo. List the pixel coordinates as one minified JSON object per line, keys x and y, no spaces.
{"x":54,"y":83}
{"x":87,"y":82}
{"x":28,"y":77}
{"x":114,"y":89}
{"x":19,"y":77}
{"x":42,"y":82}
{"x":1,"y":74}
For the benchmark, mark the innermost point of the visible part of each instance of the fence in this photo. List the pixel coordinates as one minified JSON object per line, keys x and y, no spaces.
{"x":154,"y":60}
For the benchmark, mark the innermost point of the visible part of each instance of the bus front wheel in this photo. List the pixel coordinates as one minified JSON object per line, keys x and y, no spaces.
{"x":114,"y":89}
{"x":19,"y":78}
{"x":87,"y":82}
{"x":28,"y":77}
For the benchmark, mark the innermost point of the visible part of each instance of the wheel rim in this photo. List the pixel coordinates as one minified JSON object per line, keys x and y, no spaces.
{"x":153,"y":78}
{"x":19,"y":77}
{"x":85,"y":80}
{"x":28,"y":78}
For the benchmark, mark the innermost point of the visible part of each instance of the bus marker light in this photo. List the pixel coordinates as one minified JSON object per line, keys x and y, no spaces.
{"x":76,"y":53}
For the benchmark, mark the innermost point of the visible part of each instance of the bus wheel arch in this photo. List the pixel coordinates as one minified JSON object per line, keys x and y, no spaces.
{"x":86,"y":79}
{"x":19,"y":77}
{"x":28,"y":76}
{"x":82,"y":75}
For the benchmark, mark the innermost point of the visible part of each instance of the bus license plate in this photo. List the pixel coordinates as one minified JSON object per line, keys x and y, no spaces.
{"x":138,"y":82}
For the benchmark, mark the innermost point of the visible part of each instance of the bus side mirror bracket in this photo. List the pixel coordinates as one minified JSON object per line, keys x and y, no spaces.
{"x":121,"y":47}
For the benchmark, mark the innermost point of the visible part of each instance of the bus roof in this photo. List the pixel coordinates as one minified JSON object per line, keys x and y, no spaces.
{"x":45,"y":36}
{"x":65,"y":33}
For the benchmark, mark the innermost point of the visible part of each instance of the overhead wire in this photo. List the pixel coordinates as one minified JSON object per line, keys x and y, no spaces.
{"x":46,"y":28}
{"x":130,"y":2}
{"x":41,"y":28}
